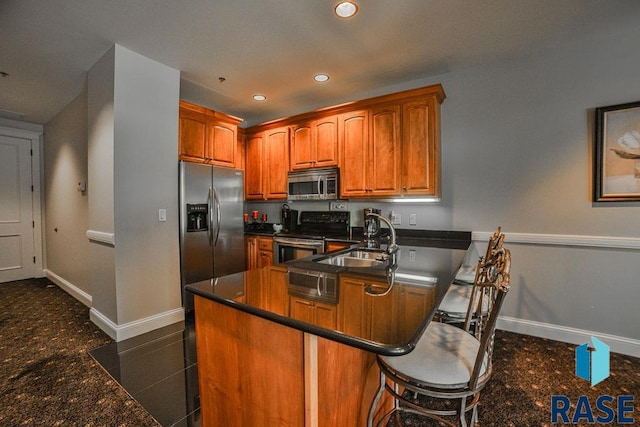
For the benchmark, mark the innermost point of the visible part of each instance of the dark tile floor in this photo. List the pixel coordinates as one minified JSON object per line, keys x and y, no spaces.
{"x":159,"y":370}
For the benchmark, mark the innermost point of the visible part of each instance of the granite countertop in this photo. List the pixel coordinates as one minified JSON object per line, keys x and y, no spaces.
{"x":355,"y":305}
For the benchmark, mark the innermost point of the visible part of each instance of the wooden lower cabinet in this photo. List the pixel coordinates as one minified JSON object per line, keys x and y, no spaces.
{"x":256,"y":372}
{"x":314,"y":312}
{"x":259,"y":251}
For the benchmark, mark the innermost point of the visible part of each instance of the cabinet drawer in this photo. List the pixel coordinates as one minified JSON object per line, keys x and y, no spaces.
{"x":265,"y":244}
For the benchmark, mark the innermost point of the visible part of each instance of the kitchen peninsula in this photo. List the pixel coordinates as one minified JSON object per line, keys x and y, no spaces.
{"x":295,"y":344}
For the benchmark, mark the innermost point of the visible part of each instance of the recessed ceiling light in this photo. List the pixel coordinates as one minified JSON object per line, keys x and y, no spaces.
{"x":259,"y":98}
{"x":346,"y":9}
{"x":321,"y":77}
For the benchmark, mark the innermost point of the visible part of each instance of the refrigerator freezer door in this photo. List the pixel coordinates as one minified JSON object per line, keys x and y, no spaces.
{"x":196,"y":256}
{"x":228,"y":224}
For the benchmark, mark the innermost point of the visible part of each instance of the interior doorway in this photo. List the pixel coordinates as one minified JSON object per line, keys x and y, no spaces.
{"x":19,"y":208}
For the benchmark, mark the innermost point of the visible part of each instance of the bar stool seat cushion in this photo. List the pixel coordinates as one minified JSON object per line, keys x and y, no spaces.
{"x":444,"y":357}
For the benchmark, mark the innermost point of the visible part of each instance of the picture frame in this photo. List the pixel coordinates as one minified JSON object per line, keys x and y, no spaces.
{"x":617,"y":153}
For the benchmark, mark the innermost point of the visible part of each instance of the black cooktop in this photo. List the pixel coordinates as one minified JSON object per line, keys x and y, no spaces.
{"x":321,"y":224}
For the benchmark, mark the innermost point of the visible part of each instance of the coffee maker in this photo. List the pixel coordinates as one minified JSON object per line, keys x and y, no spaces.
{"x":288,"y":218}
{"x":371,"y":224}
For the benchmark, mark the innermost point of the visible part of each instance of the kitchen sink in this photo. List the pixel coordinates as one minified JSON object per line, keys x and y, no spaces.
{"x":356,"y":258}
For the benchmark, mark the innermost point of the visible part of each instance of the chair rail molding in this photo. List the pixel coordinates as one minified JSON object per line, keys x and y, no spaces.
{"x":564,"y":240}
{"x":101,"y":237}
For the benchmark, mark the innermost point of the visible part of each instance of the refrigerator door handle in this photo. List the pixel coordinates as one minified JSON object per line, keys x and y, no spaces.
{"x":217,"y":208}
{"x":210,"y":203}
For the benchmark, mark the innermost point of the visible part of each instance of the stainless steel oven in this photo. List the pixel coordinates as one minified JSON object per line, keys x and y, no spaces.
{"x":290,"y":248}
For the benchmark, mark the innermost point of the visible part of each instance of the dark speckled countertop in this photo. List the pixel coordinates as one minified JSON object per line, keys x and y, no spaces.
{"x":388,"y":324}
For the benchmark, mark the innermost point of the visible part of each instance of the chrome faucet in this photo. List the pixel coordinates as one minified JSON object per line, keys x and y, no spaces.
{"x":392,"y":247}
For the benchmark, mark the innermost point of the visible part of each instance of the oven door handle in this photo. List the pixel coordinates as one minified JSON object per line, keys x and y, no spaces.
{"x":299,"y":244}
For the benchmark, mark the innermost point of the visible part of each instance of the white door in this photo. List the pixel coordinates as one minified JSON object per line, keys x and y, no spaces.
{"x":16,"y":210}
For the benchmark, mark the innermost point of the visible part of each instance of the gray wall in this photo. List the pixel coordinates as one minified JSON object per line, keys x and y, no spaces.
{"x":518,"y":139}
{"x":132,"y":158}
{"x":67,"y":209}
{"x":146,"y":180}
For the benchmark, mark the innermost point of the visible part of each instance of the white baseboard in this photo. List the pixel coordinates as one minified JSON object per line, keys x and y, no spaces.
{"x":69,"y":288}
{"x":617,"y":344}
{"x":137,"y":327}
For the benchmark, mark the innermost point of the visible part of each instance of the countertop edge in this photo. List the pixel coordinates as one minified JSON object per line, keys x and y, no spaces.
{"x":360,"y":343}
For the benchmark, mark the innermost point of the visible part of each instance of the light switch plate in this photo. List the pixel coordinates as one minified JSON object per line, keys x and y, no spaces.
{"x":162,"y":215}
{"x":413,"y":219}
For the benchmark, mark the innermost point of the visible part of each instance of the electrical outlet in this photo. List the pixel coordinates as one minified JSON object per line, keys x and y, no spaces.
{"x":338,"y":206}
{"x":412,"y":255}
{"x":413,"y":219}
{"x":396,"y":218}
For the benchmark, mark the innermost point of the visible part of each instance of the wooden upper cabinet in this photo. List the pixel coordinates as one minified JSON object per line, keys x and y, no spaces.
{"x":266,"y":165}
{"x":384,"y":151}
{"x":192,"y":136}
{"x":315,"y":143}
{"x":371,"y":152}
{"x":353,"y":133}
{"x":208,"y":136}
{"x":222,"y":147}
{"x":277,"y":167}
{"x":420,"y":147}
{"x":254,"y":187}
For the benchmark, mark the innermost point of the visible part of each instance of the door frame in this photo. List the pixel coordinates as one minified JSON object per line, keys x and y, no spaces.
{"x":35,"y":137}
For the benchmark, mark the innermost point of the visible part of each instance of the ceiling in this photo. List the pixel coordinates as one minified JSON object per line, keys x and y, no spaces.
{"x":275,"y":47}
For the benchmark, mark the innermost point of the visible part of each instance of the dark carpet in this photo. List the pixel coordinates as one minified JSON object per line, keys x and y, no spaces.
{"x":47,"y":377}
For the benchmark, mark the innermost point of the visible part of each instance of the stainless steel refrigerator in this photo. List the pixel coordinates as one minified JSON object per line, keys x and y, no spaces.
{"x":211,"y":224}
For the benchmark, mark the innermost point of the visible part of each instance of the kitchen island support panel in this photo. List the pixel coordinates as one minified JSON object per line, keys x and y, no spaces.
{"x":250,"y":370}
{"x":257,"y":372}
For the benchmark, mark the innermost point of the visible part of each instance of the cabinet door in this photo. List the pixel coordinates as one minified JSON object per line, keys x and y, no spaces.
{"x":192,"y":136}
{"x":326,"y":141}
{"x":326,"y":315}
{"x":253,"y":176}
{"x":301,"y":146}
{"x":222,"y":144}
{"x":354,"y":138}
{"x":352,"y":318}
{"x":384,"y":151}
{"x":265,"y":258}
{"x":301,"y":309}
{"x":383,"y":312}
{"x":420,"y":148}
{"x":278,"y":293}
{"x":277,"y":162}
{"x":414,"y":302}
{"x":251,"y":243}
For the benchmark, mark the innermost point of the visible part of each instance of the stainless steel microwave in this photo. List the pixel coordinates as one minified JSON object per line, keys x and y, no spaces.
{"x":313,"y":184}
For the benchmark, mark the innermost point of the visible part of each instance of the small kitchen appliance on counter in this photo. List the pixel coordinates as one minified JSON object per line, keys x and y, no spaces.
{"x":288,"y":219}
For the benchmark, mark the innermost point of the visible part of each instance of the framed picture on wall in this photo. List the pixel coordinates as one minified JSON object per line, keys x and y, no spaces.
{"x":617,"y":153}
